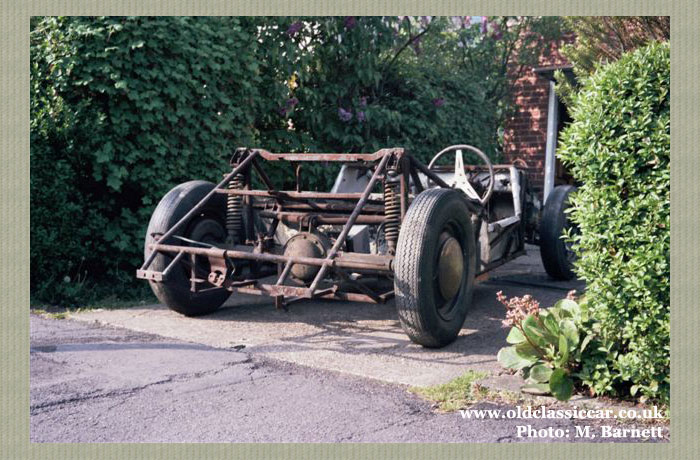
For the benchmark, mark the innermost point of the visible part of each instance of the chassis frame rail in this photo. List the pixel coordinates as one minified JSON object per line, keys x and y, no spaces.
{"x":303,"y":209}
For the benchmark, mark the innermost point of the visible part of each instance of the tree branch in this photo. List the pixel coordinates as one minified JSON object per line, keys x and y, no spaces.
{"x":404,"y":46}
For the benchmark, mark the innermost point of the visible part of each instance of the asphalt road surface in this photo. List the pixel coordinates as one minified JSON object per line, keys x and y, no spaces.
{"x":361,"y":339}
{"x":93,"y":383}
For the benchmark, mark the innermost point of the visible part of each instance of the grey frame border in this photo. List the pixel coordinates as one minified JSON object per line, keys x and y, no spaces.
{"x":14,"y":230}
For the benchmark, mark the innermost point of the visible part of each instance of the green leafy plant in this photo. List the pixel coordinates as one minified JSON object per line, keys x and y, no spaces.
{"x":123,"y":109}
{"x":371,"y":82}
{"x":604,"y":39}
{"x":618,"y":148}
{"x":546,"y":344}
{"x":599,"y":40}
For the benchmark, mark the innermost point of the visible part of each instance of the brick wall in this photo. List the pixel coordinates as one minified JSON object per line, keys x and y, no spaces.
{"x":525,"y":136}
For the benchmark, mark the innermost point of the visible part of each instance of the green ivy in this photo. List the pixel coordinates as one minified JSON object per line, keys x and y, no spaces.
{"x":122,"y":110}
{"x":618,"y":147}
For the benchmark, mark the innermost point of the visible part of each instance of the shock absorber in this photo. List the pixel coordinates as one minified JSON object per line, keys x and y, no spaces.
{"x":234,"y":211}
{"x":392,"y":210}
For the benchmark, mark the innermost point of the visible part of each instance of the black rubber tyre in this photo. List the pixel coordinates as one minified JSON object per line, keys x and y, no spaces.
{"x":207,"y":226}
{"x":557,"y":256}
{"x":426,"y":317}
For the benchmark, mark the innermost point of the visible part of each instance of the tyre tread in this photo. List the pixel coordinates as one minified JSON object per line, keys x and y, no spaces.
{"x":171,"y":208}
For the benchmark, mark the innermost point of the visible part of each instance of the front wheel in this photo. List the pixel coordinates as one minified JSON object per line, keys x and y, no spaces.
{"x":434,"y":267}
{"x":557,"y":255}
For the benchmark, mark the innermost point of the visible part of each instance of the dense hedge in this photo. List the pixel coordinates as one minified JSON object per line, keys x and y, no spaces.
{"x":618,"y":147}
{"x":123,"y":109}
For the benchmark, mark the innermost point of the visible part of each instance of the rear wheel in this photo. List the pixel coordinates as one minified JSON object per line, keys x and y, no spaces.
{"x":557,"y":255}
{"x":434,"y":267}
{"x":207,"y":227}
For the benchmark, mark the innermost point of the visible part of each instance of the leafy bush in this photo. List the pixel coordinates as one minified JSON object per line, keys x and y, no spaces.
{"x":362,"y":95}
{"x":618,"y":148}
{"x":418,"y":83}
{"x":604,"y":39}
{"x":123,"y":109}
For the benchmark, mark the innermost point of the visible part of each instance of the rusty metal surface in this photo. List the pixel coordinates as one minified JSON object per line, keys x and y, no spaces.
{"x":321,"y":219}
{"x":198,"y":206}
{"x":321,"y":157}
{"x":292,"y":194}
{"x":351,"y":221}
{"x":331,"y":207}
{"x":379,"y":263}
{"x":249,"y":252}
{"x":305,"y":244}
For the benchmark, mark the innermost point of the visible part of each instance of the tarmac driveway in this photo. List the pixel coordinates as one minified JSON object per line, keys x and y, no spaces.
{"x":250,"y":373}
{"x":92,"y":383}
{"x":353,"y":338}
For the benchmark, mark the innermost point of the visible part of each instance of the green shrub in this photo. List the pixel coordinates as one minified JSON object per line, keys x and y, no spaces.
{"x":618,"y":148}
{"x":607,"y":38}
{"x":365,"y":94}
{"x":123,"y":109}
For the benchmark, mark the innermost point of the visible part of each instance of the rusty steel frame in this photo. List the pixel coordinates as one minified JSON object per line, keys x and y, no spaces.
{"x":298,"y":207}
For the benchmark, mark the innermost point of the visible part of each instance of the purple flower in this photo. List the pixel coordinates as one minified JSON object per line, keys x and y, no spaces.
{"x":350,"y":22}
{"x":344,"y":114}
{"x":360,"y":116}
{"x":484,"y":25}
{"x":496,"y":31}
{"x":294,"y":29}
{"x":282,"y":111}
{"x":438,"y":102}
{"x":363,"y":101}
{"x":291,"y":102}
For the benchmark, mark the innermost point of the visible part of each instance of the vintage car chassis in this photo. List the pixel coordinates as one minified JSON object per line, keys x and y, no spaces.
{"x":393,"y":167}
{"x":493,"y":213}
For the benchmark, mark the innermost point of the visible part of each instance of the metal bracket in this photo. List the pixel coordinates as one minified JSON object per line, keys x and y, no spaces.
{"x":149,"y":275}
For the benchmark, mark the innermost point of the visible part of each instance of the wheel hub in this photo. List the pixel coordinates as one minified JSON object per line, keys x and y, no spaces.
{"x":450,"y":266}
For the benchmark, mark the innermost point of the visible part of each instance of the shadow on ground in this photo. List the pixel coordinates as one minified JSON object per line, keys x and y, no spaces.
{"x":357,"y":338}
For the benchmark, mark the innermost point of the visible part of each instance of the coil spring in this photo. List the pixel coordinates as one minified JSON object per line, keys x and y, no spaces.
{"x":392,"y":213}
{"x":234,"y":209}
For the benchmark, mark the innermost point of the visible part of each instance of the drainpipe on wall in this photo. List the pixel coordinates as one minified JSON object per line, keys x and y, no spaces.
{"x":549,"y":159}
